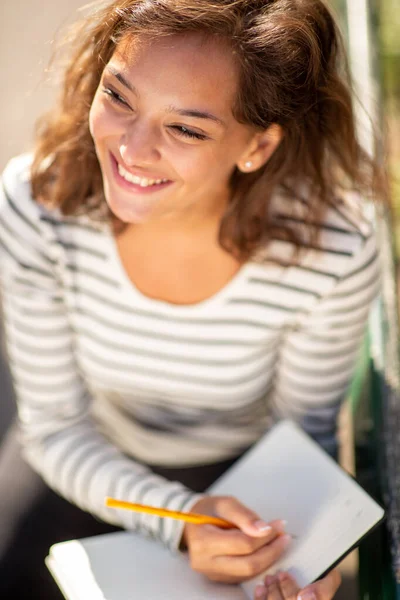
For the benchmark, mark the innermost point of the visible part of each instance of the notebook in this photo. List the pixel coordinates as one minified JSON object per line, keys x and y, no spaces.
{"x":286,"y":475}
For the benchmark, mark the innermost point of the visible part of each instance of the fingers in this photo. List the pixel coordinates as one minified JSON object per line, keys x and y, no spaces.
{"x":223,"y":543}
{"x":237,"y":554}
{"x":229,"y":542}
{"x":325,"y":589}
{"x":280,"y":587}
{"x":273,"y":589}
{"x":245,"y":519}
{"x":255,"y":563}
{"x":284,"y":587}
{"x":288,"y":586}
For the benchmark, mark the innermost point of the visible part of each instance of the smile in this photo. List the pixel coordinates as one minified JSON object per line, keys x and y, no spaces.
{"x":142,"y":181}
{"x":134,"y":183}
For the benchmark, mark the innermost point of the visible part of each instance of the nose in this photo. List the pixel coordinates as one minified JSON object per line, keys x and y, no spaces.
{"x":139,"y":145}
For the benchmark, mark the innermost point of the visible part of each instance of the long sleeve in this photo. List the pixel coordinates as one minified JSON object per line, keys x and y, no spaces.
{"x":59,"y":435}
{"x":319,"y":352}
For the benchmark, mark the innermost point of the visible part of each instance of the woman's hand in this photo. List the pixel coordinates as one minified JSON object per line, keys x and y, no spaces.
{"x":233,"y":555}
{"x":284,"y":587}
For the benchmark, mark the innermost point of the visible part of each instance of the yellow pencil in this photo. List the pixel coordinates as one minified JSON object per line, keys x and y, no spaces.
{"x":163,"y":512}
{"x":194,"y":518}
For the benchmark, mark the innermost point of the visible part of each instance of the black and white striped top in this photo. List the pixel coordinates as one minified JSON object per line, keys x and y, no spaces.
{"x":103,"y":373}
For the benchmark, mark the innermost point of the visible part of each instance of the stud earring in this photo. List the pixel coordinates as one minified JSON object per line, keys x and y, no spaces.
{"x":248,"y":165}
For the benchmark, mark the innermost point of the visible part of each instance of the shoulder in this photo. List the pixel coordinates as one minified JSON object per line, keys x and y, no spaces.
{"x":16,"y":199}
{"x":20,"y":215}
{"x":335,"y":239}
{"x":16,"y":189}
{"x":351,"y":213}
{"x":18,"y":206}
{"x":348,"y":234}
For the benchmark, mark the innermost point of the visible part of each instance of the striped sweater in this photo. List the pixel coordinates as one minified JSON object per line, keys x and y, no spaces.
{"x":110,"y":382}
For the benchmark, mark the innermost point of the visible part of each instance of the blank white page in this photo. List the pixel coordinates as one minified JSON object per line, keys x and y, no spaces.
{"x":288,"y":476}
{"x":127,"y":566}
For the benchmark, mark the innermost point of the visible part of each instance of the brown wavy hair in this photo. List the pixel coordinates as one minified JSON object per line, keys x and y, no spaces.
{"x":292,"y":71}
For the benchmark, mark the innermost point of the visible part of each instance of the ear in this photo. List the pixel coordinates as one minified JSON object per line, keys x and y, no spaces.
{"x":260,"y":149}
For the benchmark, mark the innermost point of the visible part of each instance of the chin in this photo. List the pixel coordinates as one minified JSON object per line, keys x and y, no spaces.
{"x":128,"y":215}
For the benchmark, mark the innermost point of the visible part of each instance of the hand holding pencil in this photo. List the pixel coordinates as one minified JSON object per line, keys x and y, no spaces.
{"x":232,"y":545}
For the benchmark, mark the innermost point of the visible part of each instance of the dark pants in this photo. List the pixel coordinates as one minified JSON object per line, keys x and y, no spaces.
{"x":33,"y":517}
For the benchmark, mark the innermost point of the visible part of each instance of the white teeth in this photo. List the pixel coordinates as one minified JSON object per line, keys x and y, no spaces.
{"x":142,"y":181}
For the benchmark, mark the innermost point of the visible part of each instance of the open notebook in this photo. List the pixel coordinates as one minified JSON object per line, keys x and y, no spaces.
{"x":284,"y":476}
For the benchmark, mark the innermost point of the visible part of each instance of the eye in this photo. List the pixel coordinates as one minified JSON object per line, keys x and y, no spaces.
{"x":114,"y":97}
{"x":188,"y":133}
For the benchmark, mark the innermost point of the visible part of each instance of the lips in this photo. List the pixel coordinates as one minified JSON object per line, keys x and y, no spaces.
{"x":142,"y":181}
{"x":137,"y":187}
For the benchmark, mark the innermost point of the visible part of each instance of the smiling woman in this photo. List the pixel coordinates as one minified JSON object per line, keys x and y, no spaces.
{"x":185,"y":260}
{"x":171,"y":141}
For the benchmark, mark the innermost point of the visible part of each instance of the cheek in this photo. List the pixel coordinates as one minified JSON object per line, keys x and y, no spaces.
{"x":209,"y":171}
{"x":222,"y":163}
{"x":194,"y":168}
{"x":92,"y":118}
{"x":204,"y":162}
{"x":99,"y":122}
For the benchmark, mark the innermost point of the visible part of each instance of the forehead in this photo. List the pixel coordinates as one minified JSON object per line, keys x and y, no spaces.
{"x":190,"y":68}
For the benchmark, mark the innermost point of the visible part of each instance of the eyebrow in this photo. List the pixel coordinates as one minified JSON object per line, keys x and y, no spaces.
{"x":196,"y":114}
{"x":121,"y":79}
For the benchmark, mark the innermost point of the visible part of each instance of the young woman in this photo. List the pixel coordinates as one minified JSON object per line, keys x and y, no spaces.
{"x":185,"y":260}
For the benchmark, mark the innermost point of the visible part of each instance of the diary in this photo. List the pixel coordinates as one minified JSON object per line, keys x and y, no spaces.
{"x":286,"y":475}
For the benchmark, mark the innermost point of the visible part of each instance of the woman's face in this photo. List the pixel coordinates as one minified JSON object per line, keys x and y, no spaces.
{"x":164,"y":132}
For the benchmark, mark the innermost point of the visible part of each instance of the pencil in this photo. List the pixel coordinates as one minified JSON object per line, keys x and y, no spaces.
{"x":195,"y":518}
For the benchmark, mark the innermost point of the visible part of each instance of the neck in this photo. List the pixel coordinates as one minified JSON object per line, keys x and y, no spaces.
{"x":182,"y":225}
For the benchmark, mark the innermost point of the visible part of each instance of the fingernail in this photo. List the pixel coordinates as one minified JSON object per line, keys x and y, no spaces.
{"x":269,"y":580}
{"x":307,"y":596}
{"x":282,"y":525}
{"x":260,"y":592}
{"x":282,"y":576}
{"x":262,"y":526}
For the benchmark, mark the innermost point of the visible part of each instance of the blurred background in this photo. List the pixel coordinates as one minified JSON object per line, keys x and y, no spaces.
{"x":28,"y":29}
{"x":388,"y":31}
